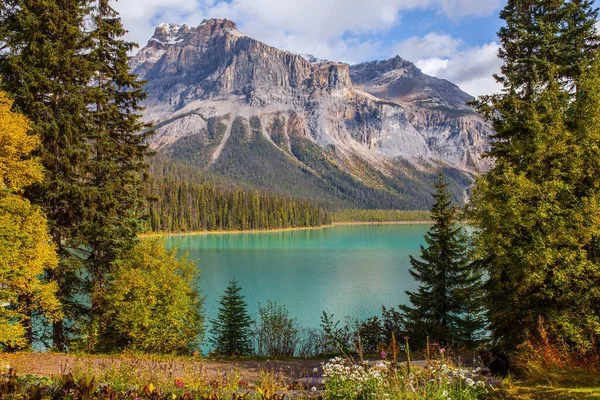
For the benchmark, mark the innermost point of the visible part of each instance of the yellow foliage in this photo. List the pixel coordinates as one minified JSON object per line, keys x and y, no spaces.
{"x":26,"y":250}
{"x":17,"y":169}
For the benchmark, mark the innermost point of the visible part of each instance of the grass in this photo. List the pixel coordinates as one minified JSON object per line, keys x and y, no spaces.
{"x":133,"y":373}
{"x":142,"y":377}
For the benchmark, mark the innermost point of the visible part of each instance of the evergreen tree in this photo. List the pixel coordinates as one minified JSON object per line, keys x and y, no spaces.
{"x":119,"y":147}
{"x":443,"y":308}
{"x":537,"y":210}
{"x":45,"y":68}
{"x":543,"y":41}
{"x":66,"y":66}
{"x":231,"y":330}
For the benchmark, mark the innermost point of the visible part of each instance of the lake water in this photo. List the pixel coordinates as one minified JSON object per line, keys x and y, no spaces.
{"x":348,"y":271}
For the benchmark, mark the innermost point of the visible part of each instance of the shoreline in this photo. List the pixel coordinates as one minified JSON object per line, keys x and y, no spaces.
{"x":333,"y":225}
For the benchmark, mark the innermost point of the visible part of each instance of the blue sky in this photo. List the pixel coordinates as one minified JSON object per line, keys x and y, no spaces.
{"x":451,"y":39}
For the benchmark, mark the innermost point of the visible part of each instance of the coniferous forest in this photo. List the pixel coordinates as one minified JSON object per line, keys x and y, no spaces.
{"x":187,"y":207}
{"x":181,"y":198}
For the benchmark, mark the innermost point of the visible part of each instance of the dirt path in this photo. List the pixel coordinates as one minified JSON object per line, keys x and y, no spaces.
{"x":156,"y":369}
{"x":57,"y":364}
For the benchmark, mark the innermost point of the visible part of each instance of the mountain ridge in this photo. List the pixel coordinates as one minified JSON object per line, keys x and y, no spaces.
{"x":369,"y":123}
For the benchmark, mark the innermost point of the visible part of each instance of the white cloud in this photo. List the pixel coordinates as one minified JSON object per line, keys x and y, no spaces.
{"x":328,"y":29}
{"x":305,"y":24}
{"x":431,"y":45}
{"x":446,"y":57}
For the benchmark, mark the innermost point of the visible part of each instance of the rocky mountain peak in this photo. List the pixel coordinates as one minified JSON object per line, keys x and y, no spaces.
{"x":168,"y":34}
{"x":375,"y":112}
{"x":215,"y":59}
{"x":312,"y":59}
{"x":374,"y":70}
{"x":399,"y":80}
{"x":217,"y":24}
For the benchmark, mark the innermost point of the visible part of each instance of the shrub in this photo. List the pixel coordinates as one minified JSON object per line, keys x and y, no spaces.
{"x":276,"y":334}
{"x":153,"y":304}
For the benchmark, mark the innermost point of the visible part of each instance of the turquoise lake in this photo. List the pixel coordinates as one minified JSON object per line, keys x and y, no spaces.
{"x":348,"y":271}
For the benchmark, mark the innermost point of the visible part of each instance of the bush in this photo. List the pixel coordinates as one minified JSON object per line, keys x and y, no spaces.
{"x":153,"y":304}
{"x":276,"y":334}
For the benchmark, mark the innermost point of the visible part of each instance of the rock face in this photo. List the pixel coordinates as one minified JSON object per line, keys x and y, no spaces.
{"x":371,"y":114}
{"x":400,"y":81}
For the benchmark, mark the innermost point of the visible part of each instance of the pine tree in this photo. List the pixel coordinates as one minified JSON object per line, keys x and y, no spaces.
{"x":445,"y":305}
{"x":537,"y":209}
{"x":26,"y":252}
{"x":231,"y":330}
{"x":119,"y":147}
{"x":45,"y":68}
{"x":543,"y":41}
{"x":66,"y":66}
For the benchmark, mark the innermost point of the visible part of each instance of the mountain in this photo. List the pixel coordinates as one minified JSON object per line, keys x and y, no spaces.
{"x":370,"y":135}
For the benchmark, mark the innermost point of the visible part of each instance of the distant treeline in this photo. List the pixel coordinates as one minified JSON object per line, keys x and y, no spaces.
{"x":184,"y":198}
{"x":380,"y":216}
{"x":183,"y":202}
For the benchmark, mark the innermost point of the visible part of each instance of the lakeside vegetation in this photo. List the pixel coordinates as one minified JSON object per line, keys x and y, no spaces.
{"x":74,"y":276}
{"x":381,"y":216}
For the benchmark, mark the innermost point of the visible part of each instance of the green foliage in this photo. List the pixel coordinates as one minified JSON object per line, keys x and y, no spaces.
{"x":276,"y":334}
{"x":46,"y":69}
{"x":231,"y":334}
{"x":538,"y":209}
{"x":339,"y":338}
{"x":119,"y":143}
{"x":277,"y":132}
{"x":66,"y":67}
{"x":178,"y":204}
{"x":447,"y":305}
{"x":152,"y":303}
{"x":371,"y":333}
{"x":381,"y":216}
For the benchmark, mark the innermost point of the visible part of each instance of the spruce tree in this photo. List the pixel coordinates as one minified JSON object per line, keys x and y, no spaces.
{"x":66,"y":66}
{"x":46,"y":70}
{"x":446,"y":306}
{"x":543,"y":41}
{"x":119,"y":143}
{"x":231,"y":330}
{"x":537,"y":209}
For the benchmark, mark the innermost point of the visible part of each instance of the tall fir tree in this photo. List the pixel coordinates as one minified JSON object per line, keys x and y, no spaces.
{"x":231,"y":330}
{"x":537,"y":209}
{"x":543,"y":41}
{"x":447,"y":305}
{"x":45,"y":68}
{"x":119,"y":143}
{"x":66,"y":66}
